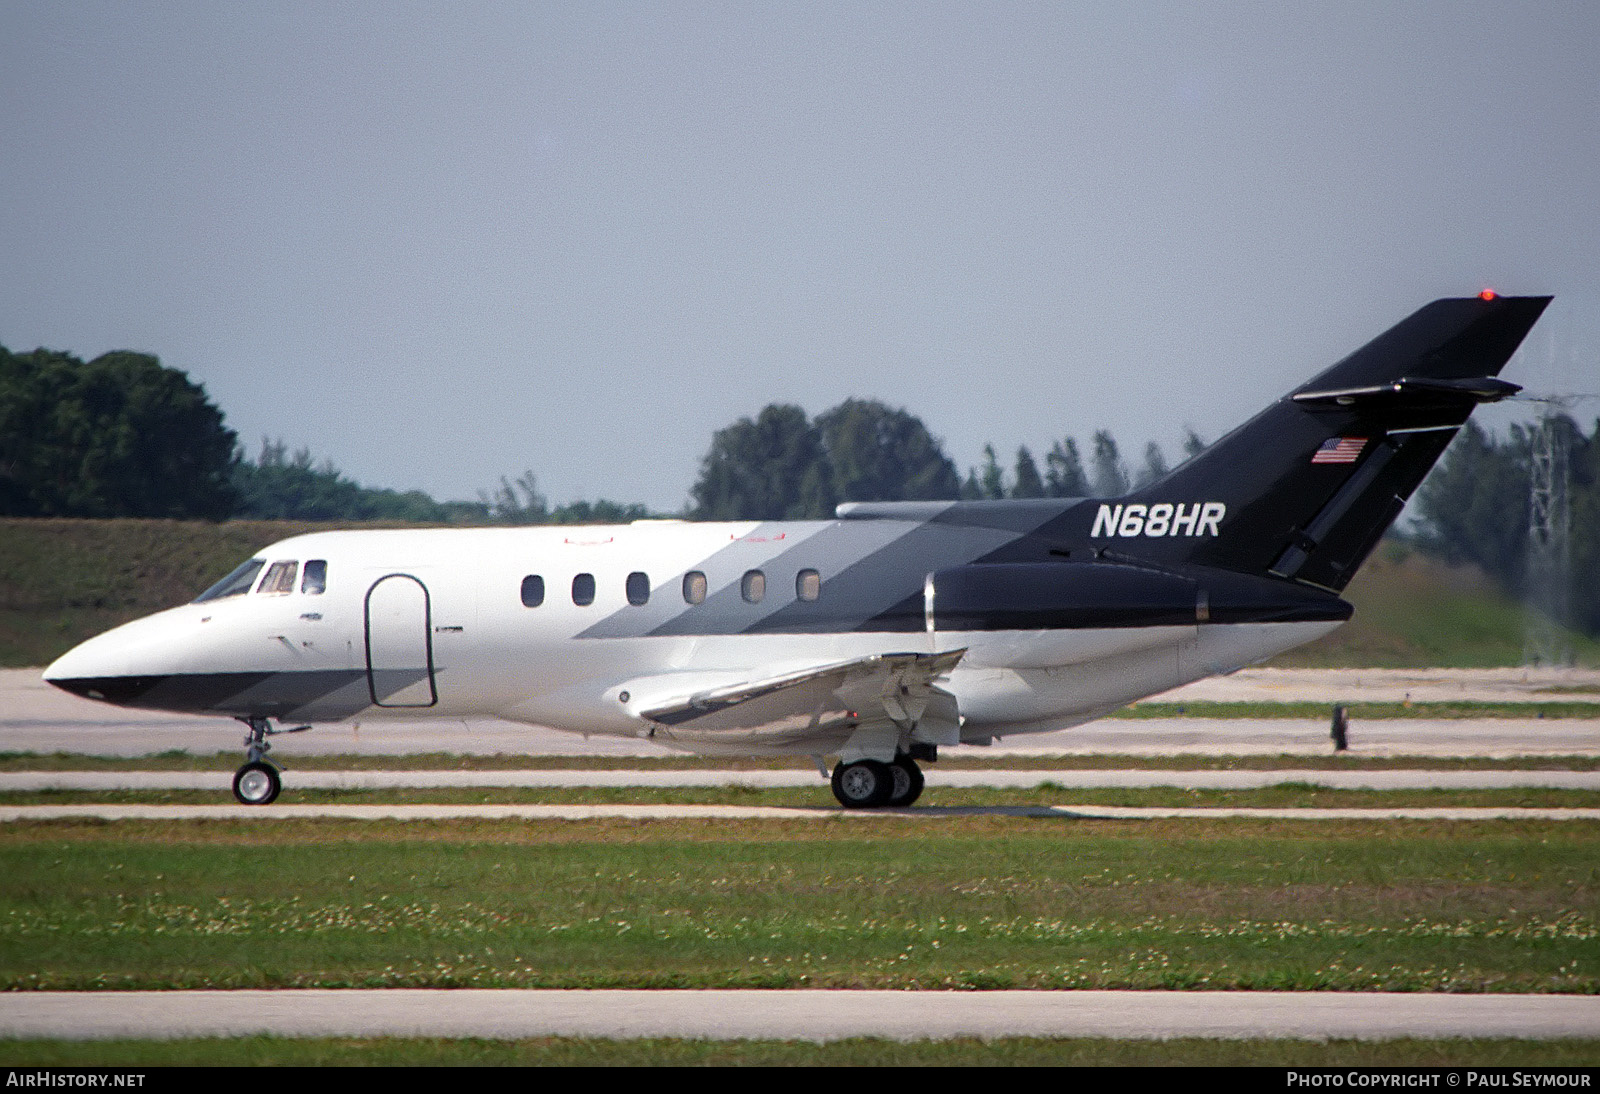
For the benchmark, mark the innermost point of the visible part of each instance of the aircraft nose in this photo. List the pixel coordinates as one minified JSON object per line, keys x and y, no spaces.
{"x":117,"y":667}
{"x":92,"y":670}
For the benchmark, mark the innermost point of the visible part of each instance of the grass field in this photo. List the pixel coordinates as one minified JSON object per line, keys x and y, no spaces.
{"x":976,"y":902}
{"x":973,"y":903}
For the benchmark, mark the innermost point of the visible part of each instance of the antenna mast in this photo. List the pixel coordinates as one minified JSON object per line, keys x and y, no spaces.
{"x":1547,"y":641}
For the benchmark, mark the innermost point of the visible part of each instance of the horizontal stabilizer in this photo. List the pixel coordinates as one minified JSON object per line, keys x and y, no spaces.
{"x":1407,"y":389}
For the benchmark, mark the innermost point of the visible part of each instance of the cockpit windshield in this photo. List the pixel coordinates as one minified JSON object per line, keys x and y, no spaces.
{"x":234,"y":584}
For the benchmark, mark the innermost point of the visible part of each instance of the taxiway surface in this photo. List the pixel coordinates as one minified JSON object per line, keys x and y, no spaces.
{"x":793,"y":1014}
{"x":35,"y":717}
{"x":270,"y":814}
{"x":1074,"y":779}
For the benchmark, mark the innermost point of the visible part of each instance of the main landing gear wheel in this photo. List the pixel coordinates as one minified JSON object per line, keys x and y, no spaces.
{"x":908,"y":782}
{"x":865,"y":784}
{"x":257,"y":783}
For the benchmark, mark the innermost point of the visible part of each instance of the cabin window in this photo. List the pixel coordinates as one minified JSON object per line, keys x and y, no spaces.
{"x":583,"y":590}
{"x":314,"y":578}
{"x":638,"y":589}
{"x":753,"y":587}
{"x":532,"y":591}
{"x":694,"y":587}
{"x":239,"y":581}
{"x":279,"y":579}
{"x":808,"y":584}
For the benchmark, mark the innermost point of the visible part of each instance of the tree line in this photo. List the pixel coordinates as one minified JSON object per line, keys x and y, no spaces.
{"x":123,"y":436}
{"x":1065,"y":475}
{"x":781,"y":465}
{"x":118,"y":436}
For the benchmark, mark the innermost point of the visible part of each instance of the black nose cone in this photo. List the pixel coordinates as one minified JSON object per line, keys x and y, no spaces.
{"x":121,"y":690}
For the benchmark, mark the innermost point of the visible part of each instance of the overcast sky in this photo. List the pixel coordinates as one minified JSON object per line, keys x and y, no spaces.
{"x":441,"y":243}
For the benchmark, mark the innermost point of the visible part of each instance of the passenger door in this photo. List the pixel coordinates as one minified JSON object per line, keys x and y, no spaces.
{"x":399,"y":625}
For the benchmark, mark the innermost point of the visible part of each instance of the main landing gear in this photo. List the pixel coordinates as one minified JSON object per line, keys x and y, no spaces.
{"x":872,"y":784}
{"x":258,"y":782}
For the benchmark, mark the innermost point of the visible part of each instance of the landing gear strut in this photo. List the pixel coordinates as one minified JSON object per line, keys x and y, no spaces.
{"x":258,"y":782}
{"x":871,"y":784}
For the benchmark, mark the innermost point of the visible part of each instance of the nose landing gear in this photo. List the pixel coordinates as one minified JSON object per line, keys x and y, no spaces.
{"x":258,"y":782}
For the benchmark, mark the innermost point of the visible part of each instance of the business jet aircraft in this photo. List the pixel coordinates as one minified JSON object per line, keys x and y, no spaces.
{"x":880,"y":636}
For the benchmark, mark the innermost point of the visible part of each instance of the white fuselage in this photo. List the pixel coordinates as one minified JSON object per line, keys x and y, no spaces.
{"x":448,"y":605}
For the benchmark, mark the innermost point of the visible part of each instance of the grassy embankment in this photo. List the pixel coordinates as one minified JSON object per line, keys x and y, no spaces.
{"x":64,"y":580}
{"x":1413,"y":611}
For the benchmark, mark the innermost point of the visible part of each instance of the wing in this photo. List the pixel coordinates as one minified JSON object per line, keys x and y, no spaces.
{"x":869,"y":706}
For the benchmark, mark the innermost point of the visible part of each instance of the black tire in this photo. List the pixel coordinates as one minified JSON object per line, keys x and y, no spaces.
{"x":865,"y":784}
{"x":256,"y":784}
{"x":908,"y":782}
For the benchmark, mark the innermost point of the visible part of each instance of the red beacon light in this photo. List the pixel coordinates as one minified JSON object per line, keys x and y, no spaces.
{"x":1487,"y":294}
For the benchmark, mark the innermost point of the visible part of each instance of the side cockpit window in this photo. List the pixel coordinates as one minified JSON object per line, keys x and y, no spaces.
{"x":279,"y":579}
{"x":314,"y":579}
{"x":236,"y":583}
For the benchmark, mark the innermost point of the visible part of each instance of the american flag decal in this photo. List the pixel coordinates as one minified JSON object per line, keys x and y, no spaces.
{"x":1339,"y":450}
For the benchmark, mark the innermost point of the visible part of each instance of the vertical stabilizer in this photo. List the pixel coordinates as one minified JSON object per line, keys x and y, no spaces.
{"x":1305,"y":489}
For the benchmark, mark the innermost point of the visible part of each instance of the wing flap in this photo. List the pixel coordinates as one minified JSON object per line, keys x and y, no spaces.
{"x":827,"y":701}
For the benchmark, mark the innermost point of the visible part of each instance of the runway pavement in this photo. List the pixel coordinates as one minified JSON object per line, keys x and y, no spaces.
{"x":34,"y":717}
{"x":1079,"y":779}
{"x":270,"y":814}
{"x":1499,"y":738}
{"x":794,"y":1015}
{"x":1502,"y":685}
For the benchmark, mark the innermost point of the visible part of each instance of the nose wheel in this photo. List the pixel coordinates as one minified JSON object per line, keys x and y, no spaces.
{"x":258,"y":782}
